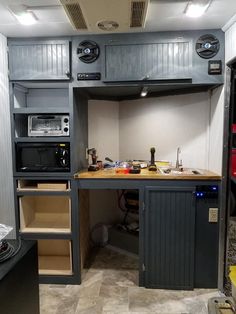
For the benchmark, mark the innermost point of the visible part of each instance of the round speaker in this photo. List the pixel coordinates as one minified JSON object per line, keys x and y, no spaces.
{"x":88,"y":51}
{"x":207,"y":46}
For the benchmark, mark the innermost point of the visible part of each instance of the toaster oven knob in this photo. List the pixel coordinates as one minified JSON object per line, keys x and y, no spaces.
{"x":66,"y":120}
{"x":66,"y":130}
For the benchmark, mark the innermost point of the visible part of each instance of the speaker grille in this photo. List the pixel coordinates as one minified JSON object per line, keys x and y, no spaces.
{"x":88,"y":51}
{"x":207,"y":46}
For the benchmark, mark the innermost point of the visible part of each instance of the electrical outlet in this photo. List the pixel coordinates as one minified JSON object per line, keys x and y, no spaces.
{"x":213,"y":215}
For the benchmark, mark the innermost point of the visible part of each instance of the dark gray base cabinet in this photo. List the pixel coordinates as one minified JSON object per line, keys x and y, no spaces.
{"x":180,"y":243}
{"x":169,"y":237}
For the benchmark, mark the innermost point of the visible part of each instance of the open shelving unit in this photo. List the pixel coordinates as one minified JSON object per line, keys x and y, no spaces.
{"x":45,"y":201}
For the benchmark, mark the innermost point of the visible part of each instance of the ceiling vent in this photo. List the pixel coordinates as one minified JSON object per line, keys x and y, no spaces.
{"x":137,"y":13}
{"x":207,"y":46}
{"x":106,"y":15}
{"x":74,"y":13}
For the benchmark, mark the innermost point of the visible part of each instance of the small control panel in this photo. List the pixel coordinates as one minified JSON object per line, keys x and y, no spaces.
{"x":206,"y":191}
{"x":214,"y":67}
{"x":88,"y":76}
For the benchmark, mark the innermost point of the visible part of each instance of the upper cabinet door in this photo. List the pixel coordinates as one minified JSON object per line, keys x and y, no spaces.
{"x":170,"y":60}
{"x":39,"y":60}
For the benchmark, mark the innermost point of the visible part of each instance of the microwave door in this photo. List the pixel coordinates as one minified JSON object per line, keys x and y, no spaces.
{"x":29,"y":159}
{"x":43,"y":157}
{"x":47,"y":158}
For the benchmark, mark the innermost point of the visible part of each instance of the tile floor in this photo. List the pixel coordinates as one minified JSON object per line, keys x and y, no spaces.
{"x":110,"y":285}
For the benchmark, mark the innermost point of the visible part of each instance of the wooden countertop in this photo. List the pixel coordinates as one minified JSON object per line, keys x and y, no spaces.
{"x":146,"y":175}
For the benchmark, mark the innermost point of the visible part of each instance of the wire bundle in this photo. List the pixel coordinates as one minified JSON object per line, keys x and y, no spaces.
{"x":7,"y":250}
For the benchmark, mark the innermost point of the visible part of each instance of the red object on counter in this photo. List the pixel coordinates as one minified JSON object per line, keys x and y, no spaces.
{"x":122,"y":170}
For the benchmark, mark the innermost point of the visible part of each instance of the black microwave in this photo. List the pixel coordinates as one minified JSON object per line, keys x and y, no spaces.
{"x":43,"y":157}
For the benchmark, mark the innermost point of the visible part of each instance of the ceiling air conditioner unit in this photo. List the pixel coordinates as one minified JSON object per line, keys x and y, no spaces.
{"x":106,"y":15}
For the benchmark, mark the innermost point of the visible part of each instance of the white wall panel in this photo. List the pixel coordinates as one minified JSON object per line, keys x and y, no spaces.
{"x":103,"y":128}
{"x":166,"y":123}
{"x":230,"y":46}
{"x":7,"y":215}
{"x":216,"y":126}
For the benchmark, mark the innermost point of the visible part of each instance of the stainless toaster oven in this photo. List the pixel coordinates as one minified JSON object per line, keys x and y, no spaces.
{"x":48,"y":125}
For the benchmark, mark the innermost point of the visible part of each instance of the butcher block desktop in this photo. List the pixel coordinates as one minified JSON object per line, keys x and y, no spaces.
{"x":146,"y":174}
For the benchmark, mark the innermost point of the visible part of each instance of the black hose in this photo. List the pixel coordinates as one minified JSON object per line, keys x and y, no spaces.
{"x":8,"y":251}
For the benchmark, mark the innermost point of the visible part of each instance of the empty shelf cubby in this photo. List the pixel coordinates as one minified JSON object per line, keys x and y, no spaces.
{"x":55,"y":257}
{"x":45,"y":185}
{"x":50,"y":214}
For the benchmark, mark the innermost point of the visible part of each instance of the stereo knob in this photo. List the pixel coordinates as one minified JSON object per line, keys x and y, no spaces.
{"x":66,"y":130}
{"x":66,"y":120}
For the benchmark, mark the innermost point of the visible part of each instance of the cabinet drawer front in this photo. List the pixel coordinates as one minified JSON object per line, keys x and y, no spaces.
{"x":48,"y":60}
{"x":169,"y":238}
{"x":169,"y":60}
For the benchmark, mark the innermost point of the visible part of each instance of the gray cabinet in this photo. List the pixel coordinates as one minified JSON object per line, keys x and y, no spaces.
{"x":169,"y":230}
{"x":170,"y":60}
{"x":39,"y":60}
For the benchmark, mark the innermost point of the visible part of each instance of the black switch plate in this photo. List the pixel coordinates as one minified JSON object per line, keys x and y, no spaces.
{"x":214,"y":67}
{"x":88,"y":76}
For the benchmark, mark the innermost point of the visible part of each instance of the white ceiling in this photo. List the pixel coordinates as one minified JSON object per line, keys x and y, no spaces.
{"x":163,"y":15}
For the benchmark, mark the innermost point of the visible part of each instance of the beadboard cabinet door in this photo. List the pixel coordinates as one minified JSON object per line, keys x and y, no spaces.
{"x":39,"y":60}
{"x":169,"y":237}
{"x":170,"y":60}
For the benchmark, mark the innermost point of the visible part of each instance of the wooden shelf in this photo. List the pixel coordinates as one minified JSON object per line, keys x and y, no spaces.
{"x":49,"y":139}
{"x":47,"y":185}
{"x":31,"y":110}
{"x":55,"y":257}
{"x":48,"y":214}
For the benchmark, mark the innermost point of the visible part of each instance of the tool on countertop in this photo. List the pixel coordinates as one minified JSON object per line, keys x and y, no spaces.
{"x":142,"y":163}
{"x":108,"y":159}
{"x":93,"y":153}
{"x":135,"y":169}
{"x":109,"y":164}
{"x":152,"y":166}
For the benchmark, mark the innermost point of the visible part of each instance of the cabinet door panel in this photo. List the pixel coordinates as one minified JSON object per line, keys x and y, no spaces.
{"x":39,"y":60}
{"x":169,"y":60}
{"x":169,"y":238}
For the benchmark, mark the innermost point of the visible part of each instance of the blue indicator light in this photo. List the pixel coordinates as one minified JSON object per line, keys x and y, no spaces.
{"x":214,"y":188}
{"x":201,"y":194}
{"x":197,"y":194}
